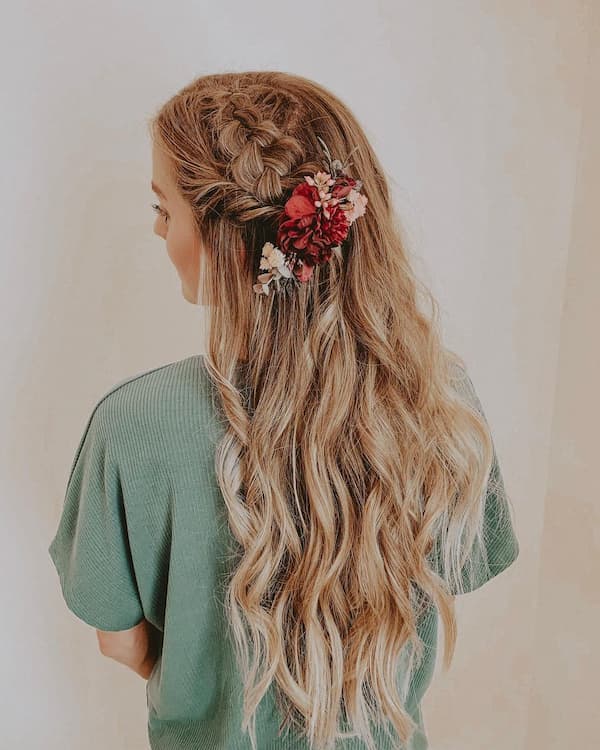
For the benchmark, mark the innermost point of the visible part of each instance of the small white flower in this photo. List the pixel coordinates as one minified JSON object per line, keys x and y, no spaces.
{"x":285,"y":270}
{"x":271,"y":257}
{"x":274,"y":262}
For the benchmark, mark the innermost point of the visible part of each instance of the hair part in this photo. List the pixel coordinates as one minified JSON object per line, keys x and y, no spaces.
{"x":351,"y":445}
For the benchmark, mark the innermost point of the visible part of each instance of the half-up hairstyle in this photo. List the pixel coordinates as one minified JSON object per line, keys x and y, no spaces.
{"x":355,"y":460}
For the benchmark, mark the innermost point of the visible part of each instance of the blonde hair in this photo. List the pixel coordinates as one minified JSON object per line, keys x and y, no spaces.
{"x":352,"y":452}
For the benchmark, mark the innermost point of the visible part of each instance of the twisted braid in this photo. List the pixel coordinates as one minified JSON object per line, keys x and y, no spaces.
{"x":259,"y":162}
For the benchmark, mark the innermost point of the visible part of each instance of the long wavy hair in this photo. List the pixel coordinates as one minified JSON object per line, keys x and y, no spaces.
{"x":353,"y":464}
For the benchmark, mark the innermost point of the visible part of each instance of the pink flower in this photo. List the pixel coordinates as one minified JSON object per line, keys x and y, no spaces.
{"x":358,"y":203}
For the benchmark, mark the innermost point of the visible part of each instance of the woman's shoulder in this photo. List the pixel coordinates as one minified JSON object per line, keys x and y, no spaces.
{"x":164,"y":395}
{"x":189,"y":370}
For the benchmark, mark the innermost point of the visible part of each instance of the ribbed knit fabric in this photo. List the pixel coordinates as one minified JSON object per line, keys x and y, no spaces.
{"x":144,"y":534}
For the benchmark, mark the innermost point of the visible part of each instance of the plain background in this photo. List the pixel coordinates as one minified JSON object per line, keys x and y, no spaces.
{"x":486,"y":117}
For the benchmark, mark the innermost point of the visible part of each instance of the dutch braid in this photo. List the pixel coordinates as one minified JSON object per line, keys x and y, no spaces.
{"x":258,"y":161}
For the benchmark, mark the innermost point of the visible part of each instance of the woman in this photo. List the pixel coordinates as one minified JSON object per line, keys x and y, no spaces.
{"x":270,"y":531}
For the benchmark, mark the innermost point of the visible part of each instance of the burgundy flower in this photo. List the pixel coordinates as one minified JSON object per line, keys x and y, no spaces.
{"x":307,"y":231}
{"x":303,"y":272}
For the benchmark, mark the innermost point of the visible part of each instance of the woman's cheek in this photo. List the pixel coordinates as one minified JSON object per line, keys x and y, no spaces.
{"x":181,"y":253}
{"x":174,"y":249}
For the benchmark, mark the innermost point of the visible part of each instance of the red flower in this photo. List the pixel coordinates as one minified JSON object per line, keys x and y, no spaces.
{"x":307,"y":232}
{"x":343,"y":185}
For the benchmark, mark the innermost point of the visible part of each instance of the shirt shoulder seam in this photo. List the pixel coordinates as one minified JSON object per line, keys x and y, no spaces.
{"x":137,"y":376}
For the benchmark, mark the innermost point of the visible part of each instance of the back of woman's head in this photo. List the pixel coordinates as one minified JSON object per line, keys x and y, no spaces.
{"x":349,"y":447}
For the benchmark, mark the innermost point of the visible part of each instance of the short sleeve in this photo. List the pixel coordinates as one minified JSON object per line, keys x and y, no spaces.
{"x":90,"y":549}
{"x":500,"y":543}
{"x":499,"y":546}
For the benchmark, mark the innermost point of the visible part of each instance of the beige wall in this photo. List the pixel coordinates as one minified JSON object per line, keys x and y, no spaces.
{"x":563,"y":708}
{"x":528,"y":662}
{"x":486,"y":116}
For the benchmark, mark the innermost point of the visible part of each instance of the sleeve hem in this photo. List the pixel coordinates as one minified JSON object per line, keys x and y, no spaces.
{"x":494,"y":570}
{"x":82,"y":611}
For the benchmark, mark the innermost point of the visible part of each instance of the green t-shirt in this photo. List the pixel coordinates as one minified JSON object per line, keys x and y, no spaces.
{"x":144,"y":534}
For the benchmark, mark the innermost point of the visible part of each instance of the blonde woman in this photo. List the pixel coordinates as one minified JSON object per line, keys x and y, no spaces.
{"x":270,"y":532}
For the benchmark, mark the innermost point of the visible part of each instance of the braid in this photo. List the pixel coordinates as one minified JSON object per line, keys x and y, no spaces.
{"x":258,"y":160}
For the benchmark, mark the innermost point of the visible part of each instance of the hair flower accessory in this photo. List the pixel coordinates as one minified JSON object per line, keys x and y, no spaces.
{"x":314,"y":221}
